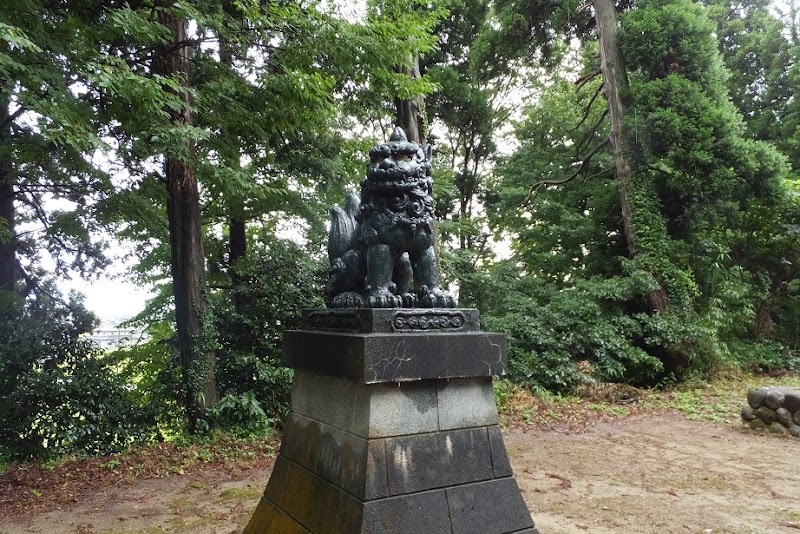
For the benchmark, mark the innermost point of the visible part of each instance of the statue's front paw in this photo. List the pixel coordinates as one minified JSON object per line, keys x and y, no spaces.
{"x":347,"y":300}
{"x":436,"y":298}
{"x":383,"y":298}
{"x":409,"y":300}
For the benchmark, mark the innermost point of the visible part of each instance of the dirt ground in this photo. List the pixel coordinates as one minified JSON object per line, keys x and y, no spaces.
{"x":659,"y":473}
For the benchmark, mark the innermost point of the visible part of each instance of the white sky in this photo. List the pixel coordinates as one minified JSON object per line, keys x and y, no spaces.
{"x":112,"y":300}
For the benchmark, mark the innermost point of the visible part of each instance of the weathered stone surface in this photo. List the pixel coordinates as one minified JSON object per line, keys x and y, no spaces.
{"x":337,"y":456}
{"x":466,"y":402}
{"x":335,"y":401}
{"x":397,"y":409}
{"x":387,"y":320}
{"x":401,"y":421}
{"x":367,"y":410}
{"x":310,"y":499}
{"x":774,"y":398}
{"x":427,"y":461}
{"x":376,"y":484}
{"x":766,"y":414}
{"x":375,"y":358}
{"x":748,"y":414}
{"x":419,"y":513}
{"x":791,"y":401}
{"x":277,"y":480}
{"x":794,"y":430}
{"x":755,"y":397}
{"x":268,"y":519}
{"x":758,"y":424}
{"x":796,"y":418}
{"x":492,"y":507}
{"x":501,"y":467}
{"x":776,"y":428}
{"x":783,"y":416}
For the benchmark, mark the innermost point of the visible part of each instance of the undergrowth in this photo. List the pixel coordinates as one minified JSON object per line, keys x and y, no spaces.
{"x":718,"y":400}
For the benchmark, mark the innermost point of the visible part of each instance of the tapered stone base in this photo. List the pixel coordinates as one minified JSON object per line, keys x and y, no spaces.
{"x":421,"y":456}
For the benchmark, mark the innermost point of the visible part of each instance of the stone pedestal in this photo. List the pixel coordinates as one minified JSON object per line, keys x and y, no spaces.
{"x":393,"y":428}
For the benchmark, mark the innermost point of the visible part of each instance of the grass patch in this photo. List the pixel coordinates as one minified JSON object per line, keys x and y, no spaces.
{"x":241,"y":494}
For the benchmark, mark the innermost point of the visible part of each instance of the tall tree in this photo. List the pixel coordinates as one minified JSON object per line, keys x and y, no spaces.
{"x":694,"y":181}
{"x":8,"y":265}
{"x":185,"y":233}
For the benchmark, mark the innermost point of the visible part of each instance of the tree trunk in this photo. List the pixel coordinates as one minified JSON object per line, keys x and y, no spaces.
{"x":237,"y":227}
{"x":186,"y":244}
{"x":8,"y":266}
{"x":411,"y":118}
{"x":237,"y":241}
{"x":615,"y":81}
{"x":411,"y":113}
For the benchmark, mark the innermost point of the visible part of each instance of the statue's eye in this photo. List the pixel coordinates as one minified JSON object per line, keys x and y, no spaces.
{"x":380,"y":152}
{"x":403,"y":157}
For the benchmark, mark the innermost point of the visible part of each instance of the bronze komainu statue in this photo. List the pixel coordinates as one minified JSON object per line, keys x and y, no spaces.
{"x":379,"y":242}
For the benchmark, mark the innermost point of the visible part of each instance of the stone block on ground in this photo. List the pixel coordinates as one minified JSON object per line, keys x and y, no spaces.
{"x":783,"y":416}
{"x":755,"y":397}
{"x":774,"y":409}
{"x":774,"y":398}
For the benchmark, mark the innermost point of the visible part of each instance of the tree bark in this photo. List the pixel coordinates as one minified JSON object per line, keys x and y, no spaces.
{"x":615,"y":82}
{"x":411,"y":113}
{"x":411,"y":118}
{"x":237,"y":226}
{"x":186,"y":244}
{"x":8,"y":265}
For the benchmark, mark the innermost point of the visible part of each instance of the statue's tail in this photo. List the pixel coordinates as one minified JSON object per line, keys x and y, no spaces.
{"x":343,"y":227}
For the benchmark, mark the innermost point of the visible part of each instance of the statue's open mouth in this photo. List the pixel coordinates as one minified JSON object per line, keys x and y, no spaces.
{"x":404,"y":184}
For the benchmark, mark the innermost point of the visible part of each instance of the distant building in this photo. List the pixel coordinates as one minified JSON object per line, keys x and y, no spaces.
{"x":115,"y":338}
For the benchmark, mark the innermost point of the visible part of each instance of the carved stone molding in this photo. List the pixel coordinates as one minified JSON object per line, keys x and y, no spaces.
{"x":428,"y":320}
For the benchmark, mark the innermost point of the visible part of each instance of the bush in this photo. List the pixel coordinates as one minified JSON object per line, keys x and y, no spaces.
{"x":59,"y":393}
{"x":550,"y":329}
{"x":275,"y":283}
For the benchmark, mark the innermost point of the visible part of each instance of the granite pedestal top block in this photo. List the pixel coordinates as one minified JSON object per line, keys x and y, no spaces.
{"x":391,"y":357}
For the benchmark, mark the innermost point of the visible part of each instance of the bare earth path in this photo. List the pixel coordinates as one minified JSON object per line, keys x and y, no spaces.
{"x":654,"y":474}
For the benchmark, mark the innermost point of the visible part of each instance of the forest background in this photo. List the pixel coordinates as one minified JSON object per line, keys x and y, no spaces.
{"x":639,"y":160}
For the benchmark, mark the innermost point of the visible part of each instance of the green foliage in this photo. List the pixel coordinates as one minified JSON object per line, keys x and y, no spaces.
{"x":276,"y":281}
{"x":59,"y":394}
{"x":153,"y":370}
{"x":551,"y":329}
{"x":709,"y":208}
{"x":756,"y":48}
{"x":768,"y":357}
{"x":242,"y":412}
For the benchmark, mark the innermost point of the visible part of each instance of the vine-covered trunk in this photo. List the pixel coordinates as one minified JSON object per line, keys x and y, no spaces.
{"x":615,"y":82}
{"x":186,"y":244}
{"x":8,"y":266}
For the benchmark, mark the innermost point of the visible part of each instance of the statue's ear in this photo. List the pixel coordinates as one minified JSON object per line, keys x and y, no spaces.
{"x":427,"y":149}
